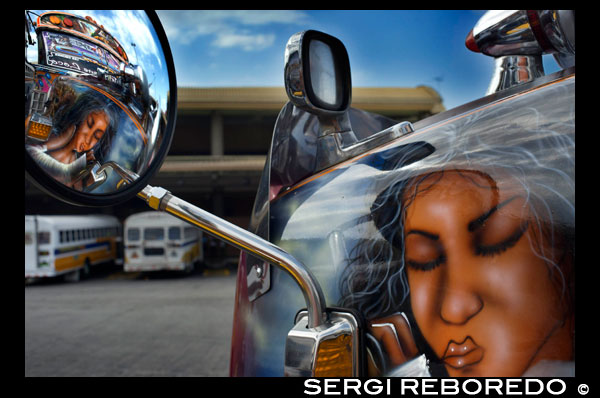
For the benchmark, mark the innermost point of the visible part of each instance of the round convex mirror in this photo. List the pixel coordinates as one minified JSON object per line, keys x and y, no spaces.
{"x":100,"y":102}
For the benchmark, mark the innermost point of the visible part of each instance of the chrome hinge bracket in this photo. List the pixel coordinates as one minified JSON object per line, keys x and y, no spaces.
{"x":258,"y":280}
{"x":332,"y":147}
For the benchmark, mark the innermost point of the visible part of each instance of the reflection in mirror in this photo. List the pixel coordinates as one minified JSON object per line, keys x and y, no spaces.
{"x":322,"y":73}
{"x":96,"y":96}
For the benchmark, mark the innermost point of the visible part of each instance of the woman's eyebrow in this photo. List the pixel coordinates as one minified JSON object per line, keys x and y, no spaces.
{"x":424,"y":233}
{"x":479,"y":221}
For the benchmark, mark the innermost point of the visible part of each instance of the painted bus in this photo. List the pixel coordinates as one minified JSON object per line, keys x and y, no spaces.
{"x":70,"y":245}
{"x":156,"y":241}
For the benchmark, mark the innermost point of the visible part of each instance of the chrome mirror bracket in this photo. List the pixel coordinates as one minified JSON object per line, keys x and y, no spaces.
{"x":337,"y":146}
{"x":258,"y":280}
{"x":512,"y":70}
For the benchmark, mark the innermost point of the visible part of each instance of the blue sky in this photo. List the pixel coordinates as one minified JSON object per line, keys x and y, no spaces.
{"x":386,"y":48}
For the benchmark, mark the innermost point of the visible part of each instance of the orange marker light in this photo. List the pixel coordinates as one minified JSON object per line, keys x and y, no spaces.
{"x":470,"y":42}
{"x":334,"y":357}
{"x":39,"y":131}
{"x":55,"y":20}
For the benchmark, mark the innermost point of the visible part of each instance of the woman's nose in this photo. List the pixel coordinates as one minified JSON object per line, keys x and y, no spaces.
{"x":87,"y":142}
{"x":459,"y":300}
{"x":90,"y":138}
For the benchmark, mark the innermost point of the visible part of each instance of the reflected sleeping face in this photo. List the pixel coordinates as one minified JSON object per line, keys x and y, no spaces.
{"x":90,"y":131}
{"x":87,"y":134}
{"x":482,"y":298}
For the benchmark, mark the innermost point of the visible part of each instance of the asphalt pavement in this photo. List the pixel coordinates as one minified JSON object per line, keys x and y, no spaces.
{"x":118,"y":324}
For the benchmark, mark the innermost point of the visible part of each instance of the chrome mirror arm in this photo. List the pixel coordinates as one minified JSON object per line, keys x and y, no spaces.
{"x":304,"y":341}
{"x":127,"y":176}
{"x":160,"y":199}
{"x":98,"y":174}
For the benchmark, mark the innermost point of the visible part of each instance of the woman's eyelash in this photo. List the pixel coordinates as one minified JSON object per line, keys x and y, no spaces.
{"x":428,"y":266}
{"x":491,"y":250}
{"x":480,"y":250}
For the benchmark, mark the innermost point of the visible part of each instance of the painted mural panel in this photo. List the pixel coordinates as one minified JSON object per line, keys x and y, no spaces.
{"x":456,"y":243}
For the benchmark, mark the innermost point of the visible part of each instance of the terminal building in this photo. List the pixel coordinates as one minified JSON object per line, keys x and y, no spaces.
{"x":222,"y":136}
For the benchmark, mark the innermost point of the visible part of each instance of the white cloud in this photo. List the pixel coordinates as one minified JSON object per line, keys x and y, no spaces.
{"x":248,"y":42}
{"x":229,"y":28}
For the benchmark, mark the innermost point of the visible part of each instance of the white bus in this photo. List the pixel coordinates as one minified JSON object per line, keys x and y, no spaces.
{"x":68,"y":245}
{"x":157,"y":241}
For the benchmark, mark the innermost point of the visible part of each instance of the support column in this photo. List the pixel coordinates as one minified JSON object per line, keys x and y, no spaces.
{"x":217,"y":142}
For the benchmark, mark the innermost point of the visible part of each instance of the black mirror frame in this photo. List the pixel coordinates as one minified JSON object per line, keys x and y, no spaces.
{"x":54,"y":188}
{"x":297,"y":73}
{"x":342,"y":69}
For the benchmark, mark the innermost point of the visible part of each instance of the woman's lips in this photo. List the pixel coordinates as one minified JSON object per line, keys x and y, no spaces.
{"x":460,"y":355}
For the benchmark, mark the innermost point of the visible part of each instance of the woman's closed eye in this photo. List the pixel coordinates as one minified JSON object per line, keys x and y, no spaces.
{"x":501,"y":228}
{"x":98,"y":133}
{"x":494,"y":232}
{"x":423,"y":251}
{"x":490,"y":249}
{"x":426,"y":266}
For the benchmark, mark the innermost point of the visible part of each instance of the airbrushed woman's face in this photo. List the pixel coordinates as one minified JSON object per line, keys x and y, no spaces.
{"x":90,"y":131}
{"x":481,"y":296}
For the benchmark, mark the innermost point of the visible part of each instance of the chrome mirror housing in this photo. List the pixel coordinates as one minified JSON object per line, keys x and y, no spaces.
{"x":525,"y":32}
{"x":518,"y":38}
{"x":100,"y":103}
{"x":317,"y":73}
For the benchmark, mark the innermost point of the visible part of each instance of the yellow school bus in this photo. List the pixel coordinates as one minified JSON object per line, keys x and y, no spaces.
{"x":69,"y":245}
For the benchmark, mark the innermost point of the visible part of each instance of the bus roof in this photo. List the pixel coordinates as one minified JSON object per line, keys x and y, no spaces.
{"x":153,"y":218}
{"x":86,"y":28}
{"x":86,"y":220}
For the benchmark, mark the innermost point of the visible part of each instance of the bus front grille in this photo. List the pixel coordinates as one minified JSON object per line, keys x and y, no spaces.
{"x":154,"y":251}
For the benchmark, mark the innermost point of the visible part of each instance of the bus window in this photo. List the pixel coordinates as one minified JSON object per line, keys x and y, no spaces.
{"x":190,"y":233}
{"x":133,"y":234}
{"x":154,"y":234}
{"x":43,"y":237}
{"x":174,"y":233}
